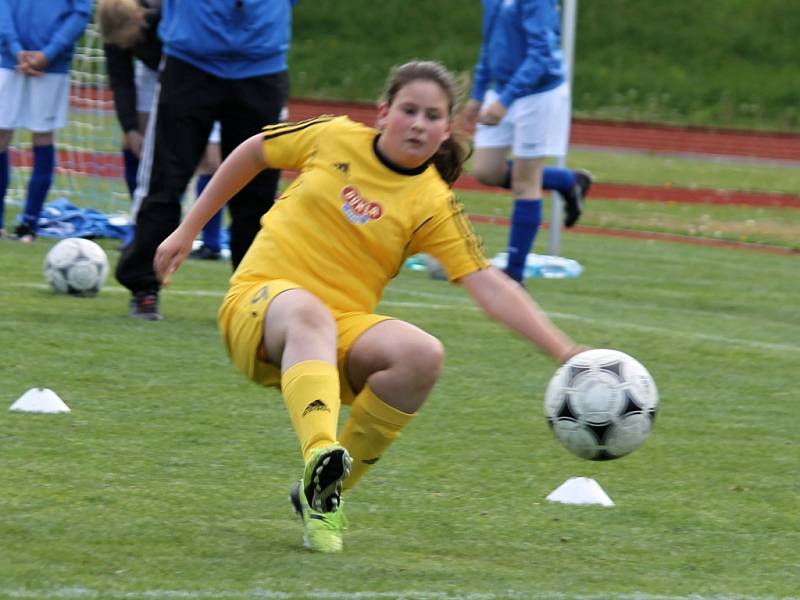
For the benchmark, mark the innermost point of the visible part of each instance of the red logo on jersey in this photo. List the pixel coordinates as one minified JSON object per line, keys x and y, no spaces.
{"x":357,"y":208}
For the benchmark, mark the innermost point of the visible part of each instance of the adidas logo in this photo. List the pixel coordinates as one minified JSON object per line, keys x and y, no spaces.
{"x":316,"y":405}
{"x":342,"y":167}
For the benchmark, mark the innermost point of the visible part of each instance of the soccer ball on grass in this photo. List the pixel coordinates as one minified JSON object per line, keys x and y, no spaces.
{"x":601,"y":404}
{"x":76,"y":266}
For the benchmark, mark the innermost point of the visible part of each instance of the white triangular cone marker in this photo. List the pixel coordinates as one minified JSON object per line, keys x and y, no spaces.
{"x":580,"y":490}
{"x":40,"y":400}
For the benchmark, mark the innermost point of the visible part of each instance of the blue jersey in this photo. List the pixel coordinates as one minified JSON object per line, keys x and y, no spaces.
{"x":520,"y":52}
{"x":50,"y":26}
{"x":233,"y":39}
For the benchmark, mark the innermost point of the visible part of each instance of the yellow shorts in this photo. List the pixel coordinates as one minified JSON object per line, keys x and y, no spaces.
{"x":241,"y":324}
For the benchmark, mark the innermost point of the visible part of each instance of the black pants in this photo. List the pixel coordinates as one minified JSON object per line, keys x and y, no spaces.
{"x":189,"y":102}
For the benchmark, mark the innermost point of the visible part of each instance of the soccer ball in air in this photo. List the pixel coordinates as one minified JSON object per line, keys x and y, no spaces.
{"x":76,"y":266}
{"x":601,"y":404}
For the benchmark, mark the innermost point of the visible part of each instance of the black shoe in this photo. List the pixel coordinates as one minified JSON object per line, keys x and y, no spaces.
{"x":205,"y":253}
{"x":24,"y":233}
{"x":575,"y":199}
{"x":144,"y":306}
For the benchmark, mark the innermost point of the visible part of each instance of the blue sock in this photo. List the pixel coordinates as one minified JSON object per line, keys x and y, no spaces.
{"x":212,"y":229}
{"x":44,"y":160}
{"x":131,"y":167}
{"x":200,"y":185}
{"x":553,"y":178}
{"x":525,"y":221}
{"x":3,"y":184}
{"x":558,"y":178}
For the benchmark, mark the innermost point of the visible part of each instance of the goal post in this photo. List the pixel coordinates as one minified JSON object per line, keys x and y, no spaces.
{"x":568,"y":23}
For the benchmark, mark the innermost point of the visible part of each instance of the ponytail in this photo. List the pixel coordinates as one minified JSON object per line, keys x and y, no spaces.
{"x":450,"y":158}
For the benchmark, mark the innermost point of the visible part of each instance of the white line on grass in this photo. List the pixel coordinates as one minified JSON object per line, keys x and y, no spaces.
{"x":116,"y":289}
{"x":706,"y":337}
{"x":80,"y":593}
{"x":611,"y":324}
{"x":460,"y":304}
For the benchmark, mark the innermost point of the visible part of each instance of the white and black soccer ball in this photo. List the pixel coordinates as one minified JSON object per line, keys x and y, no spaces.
{"x":76,"y":266}
{"x":601,"y":404}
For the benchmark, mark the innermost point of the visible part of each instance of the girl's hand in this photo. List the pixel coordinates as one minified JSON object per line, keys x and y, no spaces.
{"x":493,"y":113}
{"x":170,"y":254}
{"x":466,"y":120}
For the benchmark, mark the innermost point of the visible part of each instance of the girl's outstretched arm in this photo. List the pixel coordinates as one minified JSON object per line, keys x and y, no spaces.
{"x":505,"y":301}
{"x":236,"y":171}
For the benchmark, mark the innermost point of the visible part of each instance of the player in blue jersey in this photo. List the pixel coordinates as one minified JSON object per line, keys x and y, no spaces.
{"x":520,"y":100}
{"x":37,"y":40}
{"x":224,"y":61}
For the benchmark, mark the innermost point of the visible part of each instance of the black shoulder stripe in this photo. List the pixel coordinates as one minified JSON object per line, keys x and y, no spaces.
{"x":283,"y":124}
{"x":413,"y":233}
{"x":473,"y":241}
{"x":278,"y":129}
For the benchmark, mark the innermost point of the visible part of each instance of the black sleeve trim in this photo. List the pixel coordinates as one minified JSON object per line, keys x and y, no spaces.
{"x":279,"y":129}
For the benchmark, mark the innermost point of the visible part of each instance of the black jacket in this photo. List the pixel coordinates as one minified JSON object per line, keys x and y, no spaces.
{"x":119,"y":64}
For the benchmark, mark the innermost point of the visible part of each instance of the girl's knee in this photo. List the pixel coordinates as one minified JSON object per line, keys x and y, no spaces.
{"x":488,"y":175}
{"x":425,"y":356}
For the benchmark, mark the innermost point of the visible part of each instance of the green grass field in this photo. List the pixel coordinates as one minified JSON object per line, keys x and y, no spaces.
{"x":779,"y":227}
{"x":169,"y":477}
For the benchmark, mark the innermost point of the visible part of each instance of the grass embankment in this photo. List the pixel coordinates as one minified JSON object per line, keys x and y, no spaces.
{"x":729,"y":63}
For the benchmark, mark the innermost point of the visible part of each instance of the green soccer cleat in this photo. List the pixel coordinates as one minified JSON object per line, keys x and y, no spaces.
{"x":323,"y":530}
{"x":323,"y":476}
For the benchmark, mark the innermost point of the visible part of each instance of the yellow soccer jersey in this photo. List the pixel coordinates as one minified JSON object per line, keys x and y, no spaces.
{"x":347,"y":223}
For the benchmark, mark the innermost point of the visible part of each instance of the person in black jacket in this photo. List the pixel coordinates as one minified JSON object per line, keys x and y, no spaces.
{"x":223,"y":61}
{"x":133,"y":53}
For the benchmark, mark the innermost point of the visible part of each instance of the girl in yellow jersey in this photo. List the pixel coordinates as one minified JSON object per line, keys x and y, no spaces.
{"x":300,"y":312}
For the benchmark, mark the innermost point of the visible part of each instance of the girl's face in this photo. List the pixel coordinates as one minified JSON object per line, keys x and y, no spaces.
{"x":415,"y":124}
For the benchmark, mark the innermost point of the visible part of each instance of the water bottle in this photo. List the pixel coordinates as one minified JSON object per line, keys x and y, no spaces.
{"x":418,"y":262}
{"x":425,"y":262}
{"x":543,"y":266}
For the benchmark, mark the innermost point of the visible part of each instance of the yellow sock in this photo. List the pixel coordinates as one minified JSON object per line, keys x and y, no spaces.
{"x":369,"y":430}
{"x":311,"y":394}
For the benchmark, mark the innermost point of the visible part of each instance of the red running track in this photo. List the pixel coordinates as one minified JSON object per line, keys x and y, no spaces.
{"x":588,"y":132}
{"x":633,"y":136}
{"x":652,"y":235}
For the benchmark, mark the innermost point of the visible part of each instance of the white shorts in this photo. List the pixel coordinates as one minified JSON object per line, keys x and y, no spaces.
{"x":535,"y":126}
{"x":145,"y":80}
{"x":39,"y":104}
